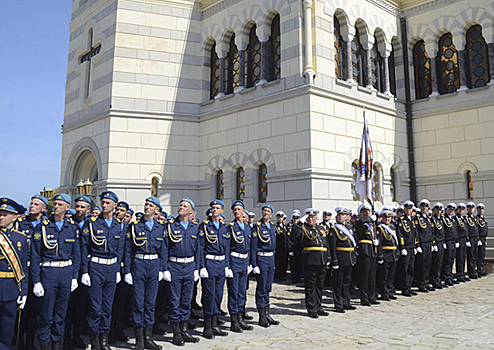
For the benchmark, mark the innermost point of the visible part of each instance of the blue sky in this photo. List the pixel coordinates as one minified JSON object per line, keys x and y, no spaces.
{"x":34,"y":37}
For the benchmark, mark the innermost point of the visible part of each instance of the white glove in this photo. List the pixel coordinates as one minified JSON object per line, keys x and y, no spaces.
{"x":469,"y":245}
{"x":21,"y":301}
{"x":336,"y":267}
{"x":167,"y":276}
{"x":433,"y":248}
{"x":86,"y":280}
{"x":291,"y":254}
{"x":419,"y":250}
{"x":228,"y":272}
{"x":380,"y":262}
{"x":118,"y":277}
{"x":436,"y":248}
{"x":256,"y":270}
{"x":445,"y":246}
{"x":373,"y":217}
{"x":160,"y":276}
{"x":196,"y":275}
{"x":415,"y":251}
{"x":128,"y":279}
{"x":38,"y":290}
{"x":457,"y":245}
{"x":74,"y":285}
{"x":480,"y":243}
{"x":375,"y":241}
{"x":249,"y":269}
{"x":204,"y":273}
{"x":404,"y":252}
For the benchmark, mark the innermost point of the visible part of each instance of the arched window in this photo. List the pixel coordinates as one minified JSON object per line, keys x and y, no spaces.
{"x":253,"y":58}
{"x":220,"y":189}
{"x":154,"y":186}
{"x":263,"y":183}
{"x":355,"y":172}
{"x":338,"y":49}
{"x":214,"y":81}
{"x":392,"y":72}
{"x":233,"y":69}
{"x":274,"y":50}
{"x":476,"y":58}
{"x":357,"y":55}
{"x":468,"y":178}
{"x":392,"y":187}
{"x":447,"y":62}
{"x":377,"y":68}
{"x":422,"y":65}
{"x":240,"y":184}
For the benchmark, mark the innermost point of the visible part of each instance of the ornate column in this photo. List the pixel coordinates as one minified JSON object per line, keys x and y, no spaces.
{"x":309,"y":74}
{"x":490,"y":50}
{"x":241,"y":47}
{"x":431,"y":50}
{"x":348,"y":65}
{"x":462,"y":70}
{"x":368,"y":64}
{"x":385,"y":57}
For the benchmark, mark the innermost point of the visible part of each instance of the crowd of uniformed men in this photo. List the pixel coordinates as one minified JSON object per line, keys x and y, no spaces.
{"x":60,"y":274}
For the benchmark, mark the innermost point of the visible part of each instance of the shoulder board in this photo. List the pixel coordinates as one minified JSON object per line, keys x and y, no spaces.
{"x":232,"y":223}
{"x":118,"y":220}
{"x":20,"y":219}
{"x":93,"y":218}
{"x":271,"y":223}
{"x":45,"y":222}
{"x":206,"y":221}
{"x":160,"y":221}
{"x":171,"y":221}
{"x":258,"y":224}
{"x":72,"y":221}
{"x":19,"y":232}
{"x":135,"y":222}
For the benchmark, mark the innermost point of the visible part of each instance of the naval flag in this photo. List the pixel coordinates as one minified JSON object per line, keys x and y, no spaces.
{"x":364,"y":176}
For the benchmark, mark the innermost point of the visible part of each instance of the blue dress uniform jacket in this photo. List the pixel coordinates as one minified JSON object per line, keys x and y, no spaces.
{"x":242,"y":254}
{"x":265,"y":260}
{"x":144,"y":259}
{"x":215,"y":243}
{"x":55,"y":261}
{"x":102,"y":252}
{"x":182,"y":256}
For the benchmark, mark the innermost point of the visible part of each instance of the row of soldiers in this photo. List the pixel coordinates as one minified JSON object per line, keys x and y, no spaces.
{"x":45,"y":260}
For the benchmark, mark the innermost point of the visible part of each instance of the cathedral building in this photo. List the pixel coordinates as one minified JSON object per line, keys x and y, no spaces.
{"x":264,"y":100}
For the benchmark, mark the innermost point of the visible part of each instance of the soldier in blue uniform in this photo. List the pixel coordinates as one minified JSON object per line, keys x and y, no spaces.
{"x":26,"y":225}
{"x":264,"y":265}
{"x":55,"y":261}
{"x":144,"y":266}
{"x":13,"y":269}
{"x":215,"y":266}
{"x":182,"y":261}
{"x":243,"y":246}
{"x":102,"y":251}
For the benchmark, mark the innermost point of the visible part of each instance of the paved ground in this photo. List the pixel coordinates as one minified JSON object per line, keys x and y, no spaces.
{"x":459,"y":317}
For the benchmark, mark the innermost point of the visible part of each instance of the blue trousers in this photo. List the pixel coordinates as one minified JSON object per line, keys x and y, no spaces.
{"x":101,"y":294}
{"x":181,"y":288}
{"x":212,"y":288}
{"x":237,"y":286}
{"x":145,"y":276}
{"x":8,"y":310}
{"x":264,"y":280}
{"x":56,"y":283}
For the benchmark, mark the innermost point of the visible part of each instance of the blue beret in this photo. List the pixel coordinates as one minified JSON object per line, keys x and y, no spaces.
{"x":170,"y":217}
{"x":131,"y":211}
{"x":109,"y":195}
{"x":41,"y":198}
{"x":216,"y":201}
{"x":139,"y":214}
{"x":240,"y":203}
{"x":11,"y":206}
{"x":165,"y":214}
{"x":190,"y":202}
{"x":208,"y":212}
{"x":63,"y":197}
{"x":83,"y":199}
{"x":223,"y":216}
{"x":97,"y":208}
{"x":123,"y":204}
{"x":70,"y":211}
{"x":154,"y":200}
{"x":267,"y":206}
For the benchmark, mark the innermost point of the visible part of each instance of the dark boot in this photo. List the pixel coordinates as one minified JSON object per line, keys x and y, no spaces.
{"x":45,"y":346}
{"x":94,"y":339}
{"x":177,"y":335}
{"x":184,"y":330}
{"x":269,"y":318}
{"x":56,"y":345}
{"x":208,"y":329}
{"x":139,"y":339}
{"x":242,"y":323}
{"x":103,"y":341}
{"x":118,"y":330}
{"x":76,"y":337}
{"x":247,"y":316}
{"x":263,"y":321}
{"x":216,"y":328}
{"x":234,"y":325}
{"x":148,"y":341}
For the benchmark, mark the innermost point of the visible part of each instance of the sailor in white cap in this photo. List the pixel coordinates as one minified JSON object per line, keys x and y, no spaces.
{"x":438,"y":247}
{"x":424,"y":248}
{"x":450,"y":240}
{"x":295,"y":252}
{"x":461,"y":248}
{"x":472,"y":241}
{"x":282,"y":248}
{"x":407,"y":233}
{"x":389,"y":246}
{"x":483,"y":230}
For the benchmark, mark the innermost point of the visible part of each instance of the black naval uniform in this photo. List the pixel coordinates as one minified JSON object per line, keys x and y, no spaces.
{"x":406,"y":233}
{"x":437,"y":256}
{"x":296,"y":257}
{"x":315,"y":257}
{"x":368,"y":242}
{"x":282,"y":247}
{"x":389,"y":245}
{"x":483,"y":230}
{"x":461,"y":251}
{"x":343,"y":258}
{"x":423,"y":260}
{"x":473,"y":250}
{"x":450,"y":239}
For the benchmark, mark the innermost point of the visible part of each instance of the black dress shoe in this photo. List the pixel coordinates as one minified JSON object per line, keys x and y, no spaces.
{"x":365,"y":304}
{"x":461,"y":279}
{"x":375,"y":302}
{"x":392,"y":297}
{"x":423,"y":290}
{"x":322,"y":313}
{"x":349,"y":307}
{"x":455,"y":282}
{"x":467,"y":279}
{"x":341,"y":311}
{"x":473,"y":277}
{"x":313,"y":315}
{"x":385,"y":298}
{"x":406,"y":294}
{"x":413,"y":292}
{"x":430,"y":289}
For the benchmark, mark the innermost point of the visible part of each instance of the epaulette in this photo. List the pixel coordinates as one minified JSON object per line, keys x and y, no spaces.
{"x":45,"y":222}
{"x":20,"y":219}
{"x":160,"y":221}
{"x":171,"y":221}
{"x":118,"y":220}
{"x":93,"y":218}
{"x":258,"y":224}
{"x":72,"y":221}
{"x":135,"y":222}
{"x":206,"y":221}
{"x":232,"y":223}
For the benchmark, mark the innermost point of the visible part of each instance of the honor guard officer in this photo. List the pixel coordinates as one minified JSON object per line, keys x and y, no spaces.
{"x":450,"y":241}
{"x":144,"y":266}
{"x":343,"y":257}
{"x":55,"y":261}
{"x":438,"y":246}
{"x":264,"y":267}
{"x":472,"y":240}
{"x":424,"y":226}
{"x":102,"y":251}
{"x":407,"y":233}
{"x":315,"y":257}
{"x":389,"y":246}
{"x":182,"y":259}
{"x":294,"y":251}
{"x":13,"y":269}
{"x":282,"y":247}
{"x":483,"y":231}
{"x":215,"y":242}
{"x":242,"y":257}
{"x":368,"y":242}
{"x":26,"y":225}
{"x":461,"y":250}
